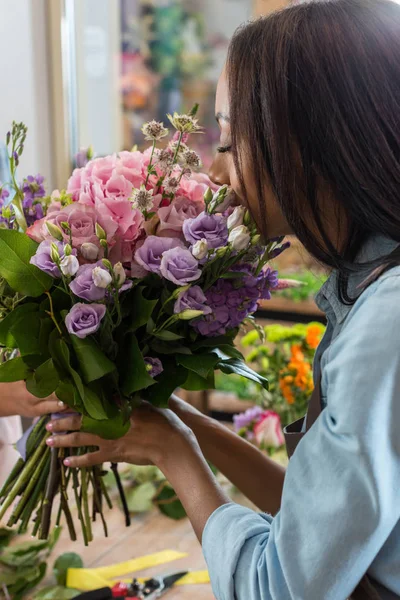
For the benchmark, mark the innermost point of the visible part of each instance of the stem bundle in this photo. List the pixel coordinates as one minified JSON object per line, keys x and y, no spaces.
{"x":36,"y":481}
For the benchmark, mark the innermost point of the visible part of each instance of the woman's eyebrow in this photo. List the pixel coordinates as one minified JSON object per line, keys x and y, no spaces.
{"x":222,"y":117}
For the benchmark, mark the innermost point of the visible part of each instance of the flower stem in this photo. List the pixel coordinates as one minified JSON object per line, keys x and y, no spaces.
{"x":114,"y":468}
{"x":75,"y":479}
{"x":23,"y":477}
{"x":51,"y":313}
{"x":150,"y":163}
{"x":34,"y":500}
{"x":85,"y":501}
{"x":97,"y":497}
{"x":51,"y":490}
{"x":177,"y":147}
{"x":19,"y":465}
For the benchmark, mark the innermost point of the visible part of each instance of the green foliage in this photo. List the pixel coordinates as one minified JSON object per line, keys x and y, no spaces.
{"x":68,"y":560}
{"x":14,"y":370}
{"x":312,"y":284}
{"x":169,"y":504}
{"x":16,"y":250}
{"x":44,"y":380}
{"x":93,"y":363}
{"x":133,"y":373}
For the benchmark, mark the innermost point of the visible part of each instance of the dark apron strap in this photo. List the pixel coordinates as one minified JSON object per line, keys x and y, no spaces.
{"x":294,"y":433}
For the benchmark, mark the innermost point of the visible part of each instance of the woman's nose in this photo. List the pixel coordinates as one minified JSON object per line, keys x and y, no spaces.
{"x":218,"y":173}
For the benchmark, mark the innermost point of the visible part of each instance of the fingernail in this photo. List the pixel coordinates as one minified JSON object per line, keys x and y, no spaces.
{"x":50,"y":441}
{"x":67,"y":462}
{"x":61,"y":403}
{"x":49,"y":426}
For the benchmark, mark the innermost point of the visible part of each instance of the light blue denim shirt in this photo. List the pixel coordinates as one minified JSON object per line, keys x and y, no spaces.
{"x":340,"y":511}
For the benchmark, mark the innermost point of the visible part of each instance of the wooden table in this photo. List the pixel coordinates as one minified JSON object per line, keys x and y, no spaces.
{"x":149,"y":533}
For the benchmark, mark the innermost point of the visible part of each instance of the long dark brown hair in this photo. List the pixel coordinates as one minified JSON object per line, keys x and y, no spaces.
{"x":315,"y":104}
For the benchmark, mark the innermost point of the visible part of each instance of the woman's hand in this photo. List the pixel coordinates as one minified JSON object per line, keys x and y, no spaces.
{"x":154,"y":437}
{"x":16,"y":400}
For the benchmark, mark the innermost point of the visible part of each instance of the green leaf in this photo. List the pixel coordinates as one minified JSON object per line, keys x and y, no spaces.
{"x":93,"y":405}
{"x":195,"y":383}
{"x":202,"y":364}
{"x":233,"y":275}
{"x":171,"y":378}
{"x":14,"y":370}
{"x":93,"y":363}
{"x":19,"y":329}
{"x":225,"y":352}
{"x":30,"y":581}
{"x":140,"y":498}
{"x":56,"y":592}
{"x":167,"y":336}
{"x":5,"y":536}
{"x":133,"y":372}
{"x":171,"y":508}
{"x":62,"y":358}
{"x":67,"y":393}
{"x":143,"y":309}
{"x":168,"y":348}
{"x":217,"y":341}
{"x":110,"y":429}
{"x":16,"y":250}
{"x":234,"y":365}
{"x":44,"y":381}
{"x":68,"y":560}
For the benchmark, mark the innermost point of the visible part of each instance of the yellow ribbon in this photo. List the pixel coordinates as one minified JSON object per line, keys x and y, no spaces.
{"x":92,"y":579}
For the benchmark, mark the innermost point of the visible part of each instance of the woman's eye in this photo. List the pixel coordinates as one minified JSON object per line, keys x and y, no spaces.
{"x":223,"y":149}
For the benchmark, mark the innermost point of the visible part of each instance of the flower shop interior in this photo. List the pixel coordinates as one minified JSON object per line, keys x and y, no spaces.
{"x":84,"y":76}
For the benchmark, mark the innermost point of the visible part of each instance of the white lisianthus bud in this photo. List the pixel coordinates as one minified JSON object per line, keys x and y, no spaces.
{"x":67,"y":250}
{"x":119,"y":273}
{"x":54,"y":231}
{"x":101,"y":277}
{"x":236,"y":218}
{"x":89,"y":251}
{"x":200,"y":249}
{"x":239,"y":237}
{"x":69,"y":265}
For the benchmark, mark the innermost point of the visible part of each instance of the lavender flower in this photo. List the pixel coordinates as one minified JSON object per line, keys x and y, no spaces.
{"x":84,"y":286}
{"x":212,"y":228}
{"x":83,"y":157}
{"x":154,"y":366}
{"x":232,"y":301}
{"x":84,"y":319}
{"x":192,"y":299}
{"x":277,"y":251}
{"x":247,"y":418}
{"x":33,"y":190}
{"x":150,"y":254}
{"x":43,"y":257}
{"x":179,"y":266}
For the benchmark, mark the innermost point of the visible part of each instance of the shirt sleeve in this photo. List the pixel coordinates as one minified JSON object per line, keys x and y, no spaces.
{"x":341,"y":497}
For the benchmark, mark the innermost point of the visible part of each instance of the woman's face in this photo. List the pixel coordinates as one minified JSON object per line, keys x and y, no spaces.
{"x":223,"y":171}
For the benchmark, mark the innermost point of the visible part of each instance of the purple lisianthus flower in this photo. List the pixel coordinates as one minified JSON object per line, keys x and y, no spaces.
{"x":212,"y":228}
{"x":150,"y":254}
{"x":42,"y":258}
{"x":83,"y":157}
{"x":84,"y":319}
{"x":83,"y":285}
{"x":154,"y":366}
{"x":179,"y":266}
{"x":247,"y":418}
{"x":192,"y":299}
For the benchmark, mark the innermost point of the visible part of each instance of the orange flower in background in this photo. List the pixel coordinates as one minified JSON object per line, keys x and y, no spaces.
{"x":313,"y":336}
{"x":287,"y":390}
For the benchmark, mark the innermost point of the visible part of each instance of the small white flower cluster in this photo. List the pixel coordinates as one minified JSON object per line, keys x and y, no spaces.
{"x":142,"y":198}
{"x":154,"y":131}
{"x":184,"y":123}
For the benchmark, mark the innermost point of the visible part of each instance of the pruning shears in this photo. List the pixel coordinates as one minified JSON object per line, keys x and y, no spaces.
{"x":151,"y":589}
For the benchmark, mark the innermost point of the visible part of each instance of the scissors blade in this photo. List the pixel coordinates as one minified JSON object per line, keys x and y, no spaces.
{"x":170,"y":580}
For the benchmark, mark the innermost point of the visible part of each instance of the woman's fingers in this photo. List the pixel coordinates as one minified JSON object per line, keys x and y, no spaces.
{"x":86,"y":460}
{"x":73,"y":440}
{"x":46,"y":407}
{"x":71,"y":422}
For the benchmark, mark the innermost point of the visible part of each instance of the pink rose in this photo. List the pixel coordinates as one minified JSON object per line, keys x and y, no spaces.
{"x":82,"y":220}
{"x":268,"y":430}
{"x":195,"y":187}
{"x":172,"y":216}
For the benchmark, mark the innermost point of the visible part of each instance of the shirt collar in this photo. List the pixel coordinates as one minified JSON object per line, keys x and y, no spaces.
{"x":328,"y":299}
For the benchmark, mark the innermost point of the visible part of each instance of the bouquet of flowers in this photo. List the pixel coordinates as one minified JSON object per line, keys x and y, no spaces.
{"x":133,"y":282}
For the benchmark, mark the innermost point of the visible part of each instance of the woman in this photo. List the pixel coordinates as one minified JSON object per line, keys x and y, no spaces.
{"x":309,"y":110}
